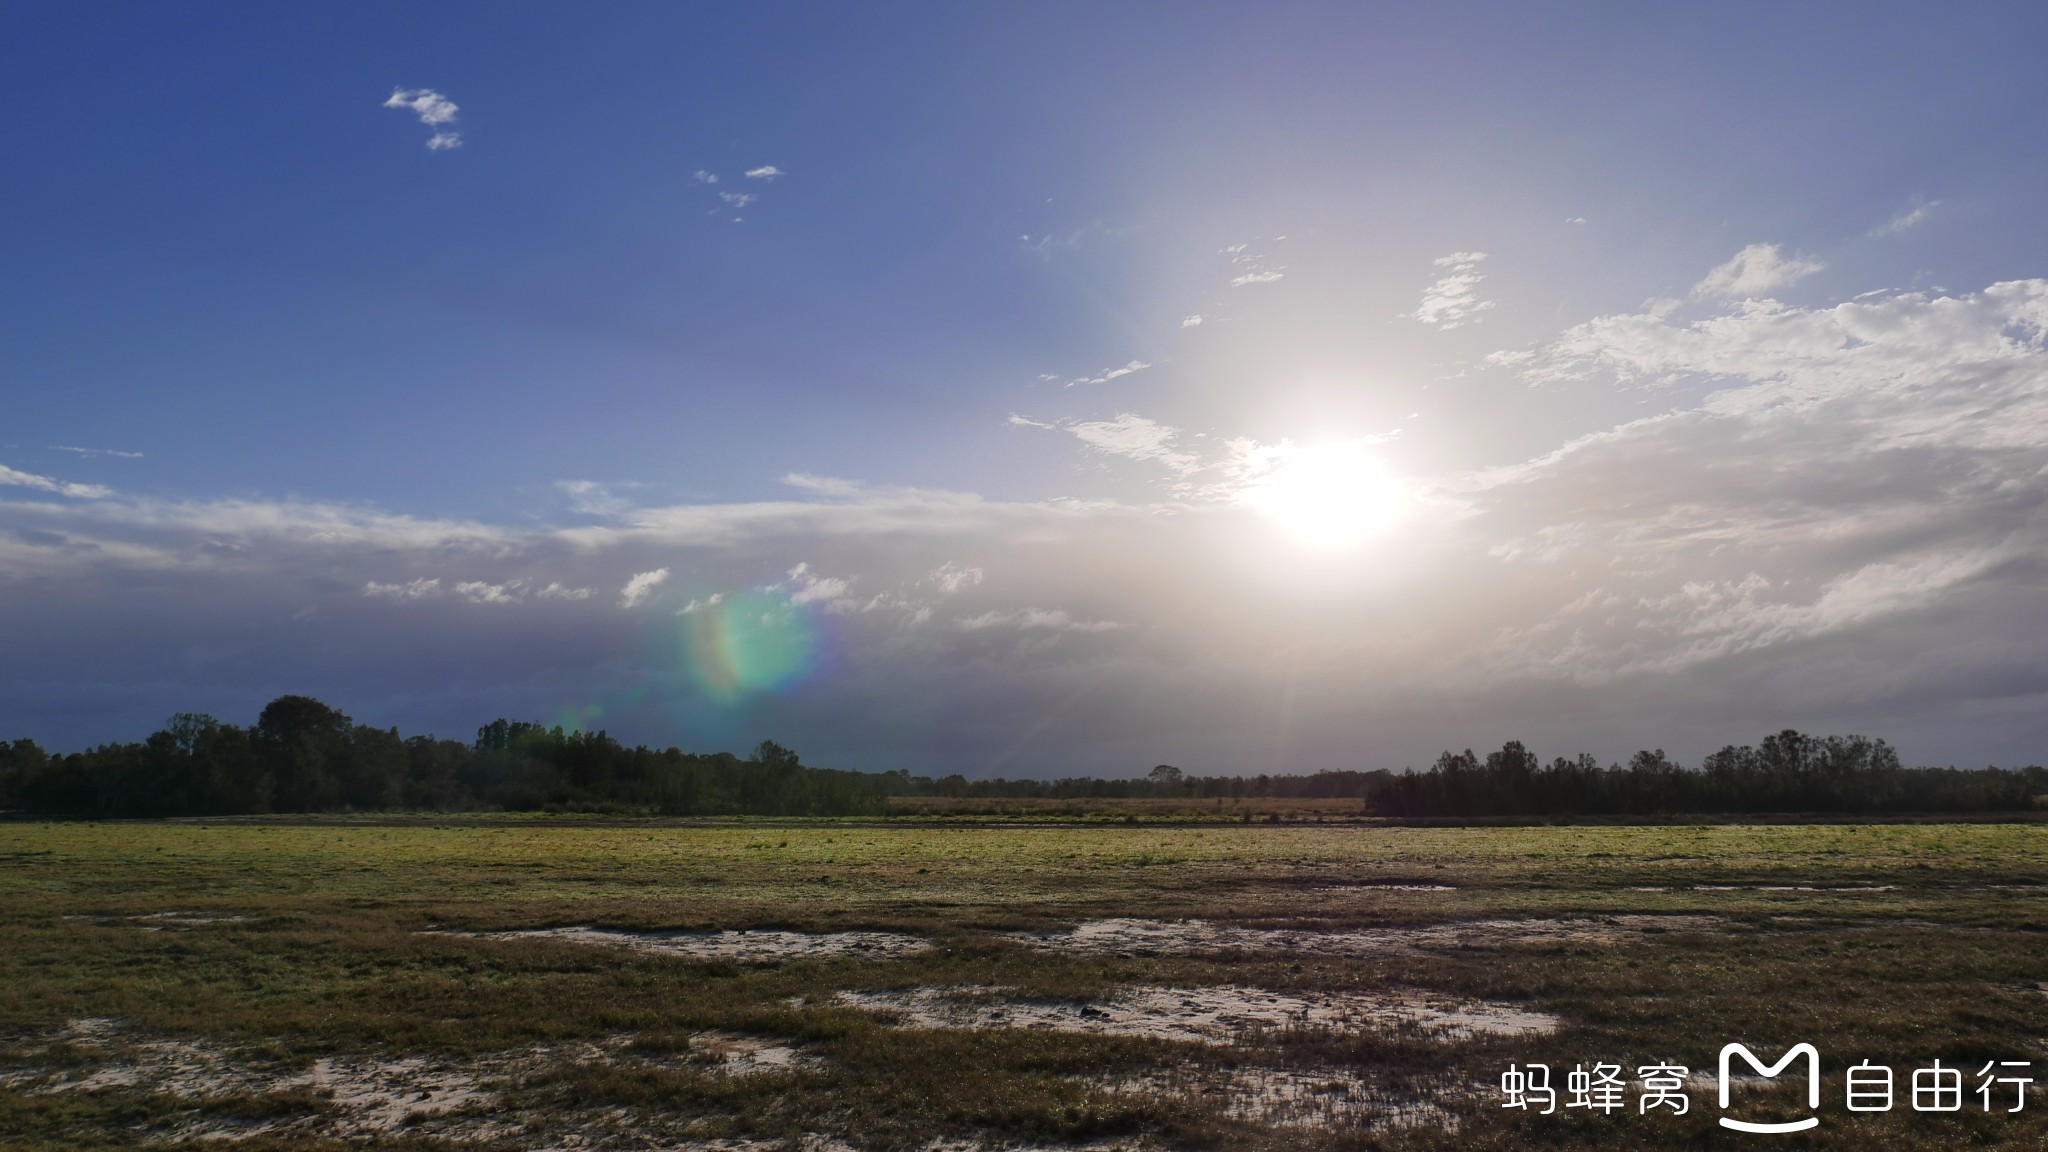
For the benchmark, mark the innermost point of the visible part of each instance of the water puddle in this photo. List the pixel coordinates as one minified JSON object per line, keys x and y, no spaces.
{"x":1212,"y":1015}
{"x":1181,"y":937}
{"x":755,"y":947}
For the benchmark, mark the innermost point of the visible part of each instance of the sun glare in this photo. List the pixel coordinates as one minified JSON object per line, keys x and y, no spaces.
{"x":1331,"y":495}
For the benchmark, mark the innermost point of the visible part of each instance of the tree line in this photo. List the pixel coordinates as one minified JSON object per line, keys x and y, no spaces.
{"x":303,"y":756}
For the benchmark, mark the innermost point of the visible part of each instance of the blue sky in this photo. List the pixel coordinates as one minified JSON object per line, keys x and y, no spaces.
{"x":1680,"y":374}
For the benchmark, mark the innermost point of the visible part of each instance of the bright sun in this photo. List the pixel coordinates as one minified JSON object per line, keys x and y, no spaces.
{"x":1330,"y":495}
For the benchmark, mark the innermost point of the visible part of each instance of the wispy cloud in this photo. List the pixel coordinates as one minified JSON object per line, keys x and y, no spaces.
{"x":737,"y":199}
{"x":1136,"y":438}
{"x":640,"y":587}
{"x":46,"y":484}
{"x":1911,"y":216}
{"x":1193,"y":321}
{"x":1252,"y":267}
{"x":410,"y":590}
{"x":1049,"y":619}
{"x":480,"y":592}
{"x":703,"y":177}
{"x":1110,"y":374}
{"x":96,"y":451}
{"x":765,"y":172}
{"x":1754,"y":272}
{"x":1453,"y":301}
{"x":434,"y":110}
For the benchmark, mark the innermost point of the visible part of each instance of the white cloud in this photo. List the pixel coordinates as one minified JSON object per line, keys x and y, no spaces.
{"x":1855,"y":464}
{"x":1753,"y":272}
{"x":703,"y":177}
{"x":1253,"y":269}
{"x":737,"y":199}
{"x":410,"y":590}
{"x":1135,"y":437}
{"x":765,"y":172}
{"x":559,"y":591}
{"x":479,"y":592}
{"x":594,"y":498}
{"x":805,"y":586}
{"x":1453,"y":301}
{"x":1576,"y":220}
{"x":96,"y":451}
{"x":1912,"y":216}
{"x":640,"y":587}
{"x":1017,"y":421}
{"x":1194,"y":321}
{"x":695,"y":605}
{"x":1109,"y":374}
{"x":46,"y":484}
{"x":433,"y":110}
{"x":950,"y":578}
{"x":1049,"y":619}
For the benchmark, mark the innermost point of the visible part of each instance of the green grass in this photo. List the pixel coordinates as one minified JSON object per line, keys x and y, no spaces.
{"x":330,"y":962}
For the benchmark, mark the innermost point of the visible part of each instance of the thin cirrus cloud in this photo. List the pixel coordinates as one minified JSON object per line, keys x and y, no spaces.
{"x":19,"y":479}
{"x":434,"y":110}
{"x":1251,"y":267}
{"x":1908,"y":218}
{"x":1756,"y":271}
{"x":1453,"y":300}
{"x":77,"y":451}
{"x":1109,"y":374}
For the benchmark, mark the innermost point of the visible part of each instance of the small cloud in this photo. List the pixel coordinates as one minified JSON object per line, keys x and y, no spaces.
{"x":46,"y":484}
{"x":1111,"y":374}
{"x":1016,"y":421}
{"x":1254,"y":270}
{"x":1754,"y":271}
{"x":478,"y":592}
{"x":640,"y":587}
{"x":594,"y":499}
{"x":1575,"y":220}
{"x":695,"y":606}
{"x":434,"y":110}
{"x":1049,"y":619}
{"x":1194,"y":321}
{"x":410,"y":590}
{"x":1137,"y":438}
{"x":1911,"y":217}
{"x":737,"y":199}
{"x":559,"y":591}
{"x":1453,"y":301}
{"x":703,"y":177}
{"x":950,"y":578}
{"x":765,"y":172}
{"x":96,"y":451}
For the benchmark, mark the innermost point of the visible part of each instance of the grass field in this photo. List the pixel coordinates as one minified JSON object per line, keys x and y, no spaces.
{"x":919,"y":985}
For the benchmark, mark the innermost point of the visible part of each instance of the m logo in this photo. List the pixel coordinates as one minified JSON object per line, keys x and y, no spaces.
{"x":1812,"y":1086}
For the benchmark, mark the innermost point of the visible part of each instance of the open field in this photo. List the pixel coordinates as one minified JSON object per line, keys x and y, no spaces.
{"x":920,"y":986}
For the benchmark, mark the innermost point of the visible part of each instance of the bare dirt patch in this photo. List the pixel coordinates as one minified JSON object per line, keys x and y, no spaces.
{"x":1180,"y":937}
{"x":752,"y":947}
{"x":1212,"y":1015}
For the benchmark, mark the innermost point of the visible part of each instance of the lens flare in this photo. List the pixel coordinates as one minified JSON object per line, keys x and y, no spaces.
{"x":750,"y":644}
{"x":1331,"y":495}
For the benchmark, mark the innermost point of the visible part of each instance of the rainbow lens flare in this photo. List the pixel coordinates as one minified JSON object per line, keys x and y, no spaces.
{"x":749,"y":644}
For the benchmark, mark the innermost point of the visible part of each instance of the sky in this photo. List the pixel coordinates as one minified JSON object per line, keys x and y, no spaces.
{"x":1031,"y":389}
